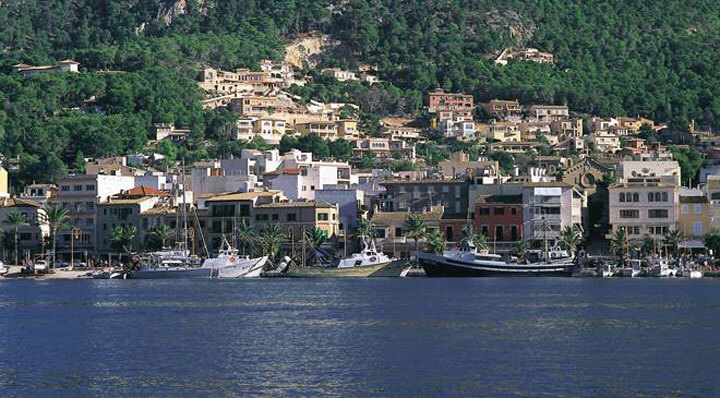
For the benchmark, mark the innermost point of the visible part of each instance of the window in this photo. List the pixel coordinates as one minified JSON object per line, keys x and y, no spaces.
{"x":697,"y":209}
{"x":292,"y":217}
{"x":322,"y":216}
{"x":244,"y":210}
{"x":513,"y":210}
{"x":685,"y":209}
{"x":499,"y":211}
{"x":484,"y":211}
{"x":25,"y":236}
{"x":657,"y":213}
{"x":275,"y":217}
{"x":77,"y":188}
{"x":629,"y":213}
{"x":65,"y":188}
{"x":636,"y":197}
{"x":485,"y":230}
{"x":498,"y":232}
{"x":398,"y":231}
{"x":697,"y":228}
{"x":664,"y":196}
{"x":90,"y":206}
{"x":445,"y":188}
{"x":651,"y":197}
{"x":449,"y":233}
{"x":312,"y":187}
{"x":622,"y":197}
{"x":90,"y":187}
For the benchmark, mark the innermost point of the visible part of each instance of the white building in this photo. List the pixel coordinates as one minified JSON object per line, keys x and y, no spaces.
{"x":549,"y":207}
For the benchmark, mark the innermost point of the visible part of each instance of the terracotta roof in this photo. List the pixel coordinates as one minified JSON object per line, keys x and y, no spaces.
{"x":144,"y":190}
{"x":287,"y":170}
{"x":230,"y":197}
{"x":133,"y":201}
{"x":158,"y":211}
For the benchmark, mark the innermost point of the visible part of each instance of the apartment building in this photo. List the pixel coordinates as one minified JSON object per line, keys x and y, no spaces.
{"x":126,"y":210}
{"x":80,"y":195}
{"x":549,"y":207}
{"x":299,"y":216}
{"x":31,"y":236}
{"x":505,"y":132}
{"x":500,"y":217}
{"x":340,"y":74}
{"x":503,"y":109}
{"x":696,"y":215}
{"x":383,"y":147}
{"x":299,"y":179}
{"x":324,"y":129}
{"x":39,"y":194}
{"x":644,"y":206}
{"x":549,"y":112}
{"x":270,"y":129}
{"x":415,"y":195}
{"x":439,"y":99}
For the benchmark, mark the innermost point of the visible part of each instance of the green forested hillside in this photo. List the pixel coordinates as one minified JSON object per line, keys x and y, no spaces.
{"x":657,"y":59}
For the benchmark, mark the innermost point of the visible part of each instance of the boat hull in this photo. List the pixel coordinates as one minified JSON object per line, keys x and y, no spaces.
{"x":439,"y":266}
{"x":173,"y":273}
{"x":349,"y":272}
{"x":246,"y":269}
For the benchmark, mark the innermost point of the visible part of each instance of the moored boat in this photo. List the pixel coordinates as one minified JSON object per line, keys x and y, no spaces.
{"x":369,"y":262}
{"x":467,"y":262}
{"x":228,"y":264}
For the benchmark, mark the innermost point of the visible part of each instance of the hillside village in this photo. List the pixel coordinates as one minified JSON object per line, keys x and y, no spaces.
{"x":515,"y":172}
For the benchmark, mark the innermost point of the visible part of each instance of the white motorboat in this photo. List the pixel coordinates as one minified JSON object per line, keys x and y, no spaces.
{"x":660,"y":268}
{"x":608,"y":271}
{"x":3,"y":269}
{"x":634,"y":269}
{"x":228,"y":264}
{"x":368,"y":257}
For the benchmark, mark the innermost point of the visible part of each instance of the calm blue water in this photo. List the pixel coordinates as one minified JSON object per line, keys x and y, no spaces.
{"x":397,"y":337}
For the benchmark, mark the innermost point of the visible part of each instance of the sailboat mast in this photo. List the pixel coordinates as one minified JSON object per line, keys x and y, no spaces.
{"x":185,"y":225}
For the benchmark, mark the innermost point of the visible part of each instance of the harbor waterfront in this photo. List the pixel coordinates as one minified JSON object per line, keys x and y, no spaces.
{"x":360,"y":337}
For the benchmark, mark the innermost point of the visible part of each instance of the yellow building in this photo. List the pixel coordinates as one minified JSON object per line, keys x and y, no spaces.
{"x":695,"y":218}
{"x":4,"y":188}
{"x":348,"y":129}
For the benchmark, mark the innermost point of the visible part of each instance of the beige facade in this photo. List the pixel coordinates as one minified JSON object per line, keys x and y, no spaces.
{"x":644,"y":208}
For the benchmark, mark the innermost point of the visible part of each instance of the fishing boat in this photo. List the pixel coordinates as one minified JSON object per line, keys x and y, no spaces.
{"x":466,"y":261}
{"x":369,"y":262}
{"x":228,"y":264}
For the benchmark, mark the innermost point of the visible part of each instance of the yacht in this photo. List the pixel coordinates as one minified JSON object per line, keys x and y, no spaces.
{"x":466,"y":261}
{"x":228,"y":264}
{"x":169,"y":264}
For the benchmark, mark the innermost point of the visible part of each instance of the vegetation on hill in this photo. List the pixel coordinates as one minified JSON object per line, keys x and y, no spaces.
{"x":656,"y":59}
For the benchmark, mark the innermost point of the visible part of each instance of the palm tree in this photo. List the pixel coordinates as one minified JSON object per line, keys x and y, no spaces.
{"x":365,"y":229}
{"x":521,"y":247}
{"x":673,"y":238}
{"x":55,"y":217}
{"x":436,"y":242}
{"x":620,"y":245}
{"x":162,"y":233}
{"x":270,"y":239}
{"x":648,"y":244}
{"x":123,"y":237}
{"x":16,"y":220}
{"x":244,"y":235}
{"x":570,"y":238}
{"x":480,"y":241}
{"x":315,"y":237}
{"x":416,"y":229}
{"x":711,"y":240}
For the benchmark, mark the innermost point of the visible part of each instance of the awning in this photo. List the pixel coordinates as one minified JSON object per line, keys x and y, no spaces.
{"x":691,"y":244}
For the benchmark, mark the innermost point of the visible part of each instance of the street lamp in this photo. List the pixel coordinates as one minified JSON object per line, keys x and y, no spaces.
{"x":291,"y":232}
{"x":74,"y":235}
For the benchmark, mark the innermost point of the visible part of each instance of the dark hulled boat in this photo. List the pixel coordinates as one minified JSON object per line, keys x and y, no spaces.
{"x":469,"y":263}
